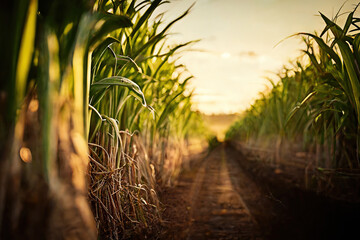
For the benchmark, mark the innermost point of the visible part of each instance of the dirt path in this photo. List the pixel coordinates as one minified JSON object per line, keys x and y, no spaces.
{"x":225,"y":196}
{"x":217,"y":194}
{"x":218,"y":210}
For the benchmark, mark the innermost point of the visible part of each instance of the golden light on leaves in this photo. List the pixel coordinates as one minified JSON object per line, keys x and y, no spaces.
{"x":34,"y":105}
{"x":68,"y":28}
{"x":77,"y":164}
{"x":25,"y":154}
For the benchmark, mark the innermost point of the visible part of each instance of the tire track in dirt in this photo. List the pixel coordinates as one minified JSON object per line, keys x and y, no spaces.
{"x":218,"y":208}
{"x":226,"y":196}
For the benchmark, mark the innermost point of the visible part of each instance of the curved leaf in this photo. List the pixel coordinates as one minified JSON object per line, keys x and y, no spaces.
{"x":118,"y":81}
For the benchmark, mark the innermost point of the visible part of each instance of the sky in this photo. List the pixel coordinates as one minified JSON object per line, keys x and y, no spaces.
{"x":239,"y":44}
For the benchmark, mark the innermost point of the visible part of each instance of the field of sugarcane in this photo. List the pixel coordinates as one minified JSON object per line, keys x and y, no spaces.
{"x":97,"y":120}
{"x":311,"y":114}
{"x":96,"y":115}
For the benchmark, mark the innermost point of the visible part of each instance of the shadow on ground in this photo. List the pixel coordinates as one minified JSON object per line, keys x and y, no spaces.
{"x":225,"y":196}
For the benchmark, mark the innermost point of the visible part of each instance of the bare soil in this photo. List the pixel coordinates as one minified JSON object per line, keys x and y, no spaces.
{"x":225,"y":196}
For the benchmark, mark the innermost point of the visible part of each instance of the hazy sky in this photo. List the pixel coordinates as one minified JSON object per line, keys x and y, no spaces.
{"x":238,"y":39}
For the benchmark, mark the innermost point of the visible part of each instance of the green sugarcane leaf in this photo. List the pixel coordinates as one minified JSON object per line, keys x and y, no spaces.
{"x":101,"y":48}
{"x":348,"y":23}
{"x":157,"y":38}
{"x":105,"y":83}
{"x":326,"y":48}
{"x":335,"y":29}
{"x":26,"y":51}
{"x":100,"y":51}
{"x":108,"y":23}
{"x":167,"y":110}
{"x":145,"y":16}
{"x":114,"y":125}
{"x":350,"y":64}
{"x":299,"y":106}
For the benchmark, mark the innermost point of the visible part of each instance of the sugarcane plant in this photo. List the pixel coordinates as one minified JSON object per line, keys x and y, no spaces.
{"x":318,"y":103}
{"x":139,"y":115}
{"x":94,"y":89}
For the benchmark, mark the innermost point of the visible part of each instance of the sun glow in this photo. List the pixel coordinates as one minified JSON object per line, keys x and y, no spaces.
{"x":225,"y":55}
